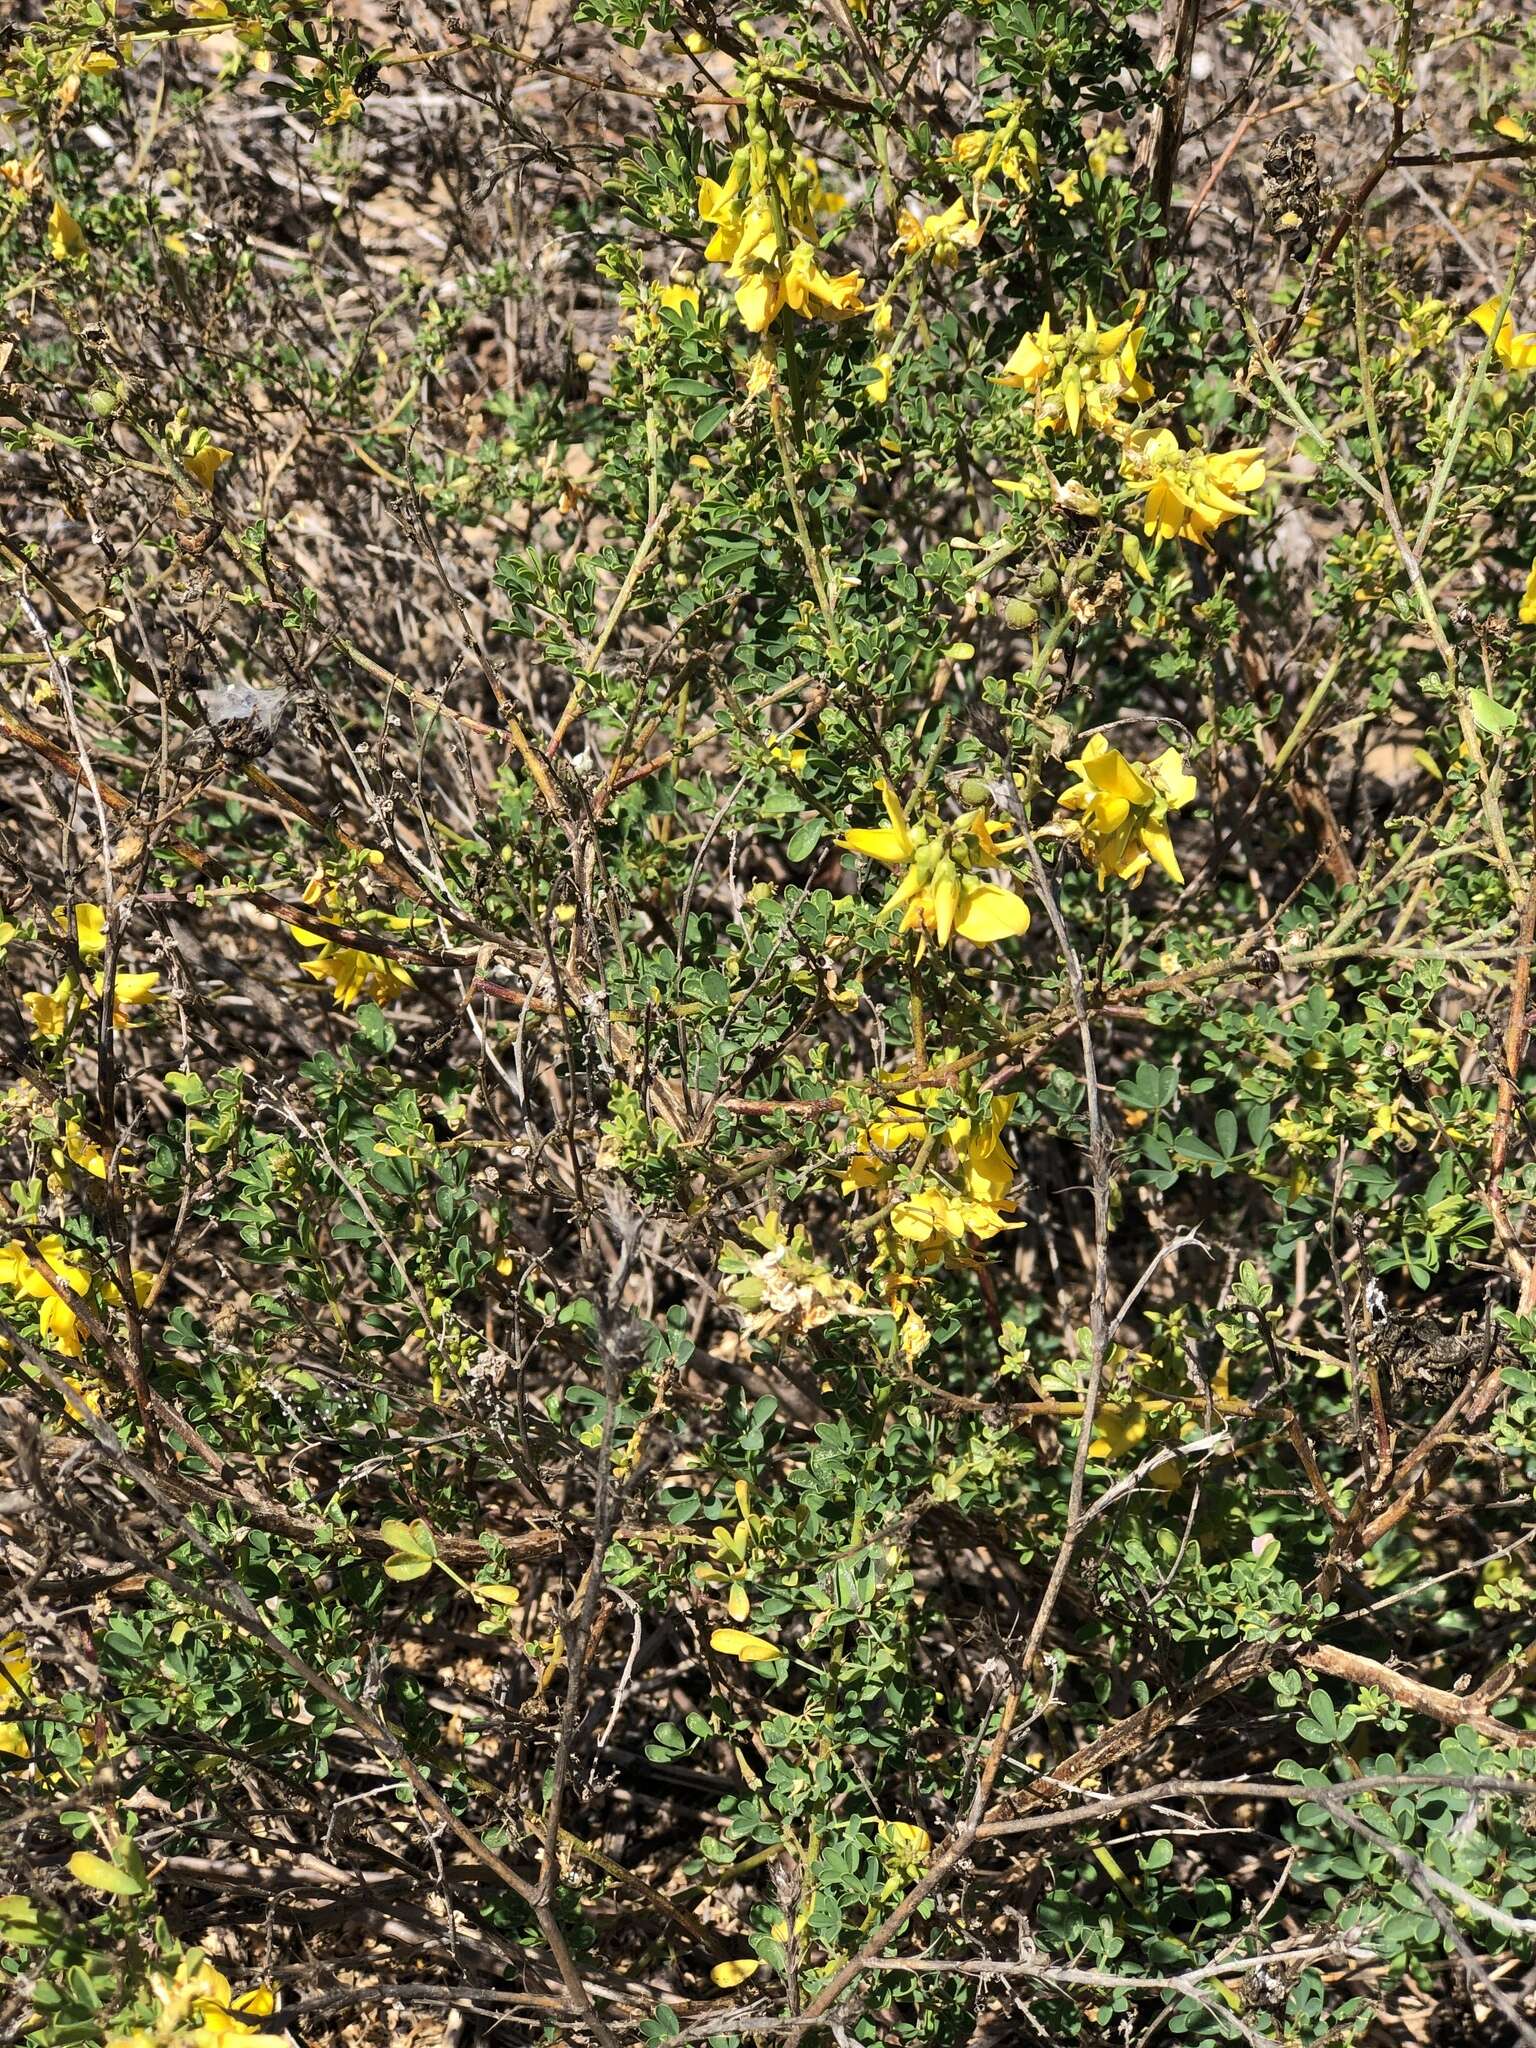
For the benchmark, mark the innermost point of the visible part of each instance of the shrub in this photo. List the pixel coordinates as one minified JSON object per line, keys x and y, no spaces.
{"x":768,"y":902}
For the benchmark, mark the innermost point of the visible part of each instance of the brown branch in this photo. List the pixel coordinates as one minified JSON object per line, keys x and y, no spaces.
{"x":1456,"y":1710}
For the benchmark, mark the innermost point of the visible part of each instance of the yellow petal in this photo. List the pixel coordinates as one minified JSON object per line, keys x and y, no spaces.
{"x":891,"y":1134}
{"x":908,"y":1837}
{"x":1027,"y":364}
{"x":90,"y":928}
{"x":84,"y":1150}
{"x":879,"y":843}
{"x":1157,"y":843}
{"x":946,"y":904}
{"x":1528,"y":601}
{"x":1486,"y":316}
{"x":758,"y":301}
{"x":1178,"y":787}
{"x":1110,"y":772}
{"x":206,"y":463}
{"x":988,"y":914}
{"x":737,"y":1971}
{"x":749,"y":1649}
{"x":65,"y":235}
{"x":911,"y":891}
{"x":921,"y":1217}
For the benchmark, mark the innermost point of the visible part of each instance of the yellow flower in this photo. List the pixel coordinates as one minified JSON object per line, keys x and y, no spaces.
{"x":878,"y":389}
{"x":1122,"y":824}
{"x":130,"y":992}
{"x":1069,"y":189}
{"x":720,"y":209}
{"x":206,"y":460}
{"x":961,"y":1201}
{"x":938,"y":1222}
{"x":675,"y":296}
{"x":938,"y":892}
{"x":986,"y":1170}
{"x":90,"y":922}
{"x":1008,"y":151}
{"x":341,"y":103}
{"x":732,"y":1557}
{"x":65,"y":236}
{"x":1083,"y":372}
{"x":1514,"y":351}
{"x":749,"y":1649}
{"x":354,"y":974}
{"x":84,"y":1150}
{"x":910,"y":1847}
{"x":57,"y":1322}
{"x":197,"y":2009}
{"x":910,"y":1842}
{"x":1528,"y":599}
{"x":940,"y":236}
{"x":1123,"y":1426}
{"x":766,"y":233}
{"x":81,"y":1402}
{"x":1189,"y":492}
{"x":50,"y":1012}
{"x":814,"y":292}
{"x":15,"y":1691}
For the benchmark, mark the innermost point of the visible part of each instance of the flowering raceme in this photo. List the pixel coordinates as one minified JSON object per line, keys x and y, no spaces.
{"x":1189,"y":491}
{"x":1006,"y":150}
{"x":939,"y":236}
{"x":1084,"y":372}
{"x":197,"y":2009}
{"x":783,"y":1290}
{"x":946,"y":1193}
{"x":59,"y":1325}
{"x":1122,"y":810}
{"x":766,"y":220}
{"x":731,"y":1563}
{"x":352,"y":972}
{"x":50,"y":1010}
{"x":939,"y":892}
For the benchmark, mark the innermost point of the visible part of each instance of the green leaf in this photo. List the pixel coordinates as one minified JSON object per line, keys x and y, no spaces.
{"x":1491,"y":717}
{"x":415,"y":1539}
